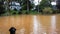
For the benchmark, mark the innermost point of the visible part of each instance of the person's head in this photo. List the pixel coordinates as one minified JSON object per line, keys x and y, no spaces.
{"x":12,"y":27}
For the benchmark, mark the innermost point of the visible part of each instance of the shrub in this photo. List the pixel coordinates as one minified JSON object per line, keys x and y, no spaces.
{"x":13,"y":12}
{"x":24,"y":12}
{"x":47,"y":10}
{"x":33,"y":12}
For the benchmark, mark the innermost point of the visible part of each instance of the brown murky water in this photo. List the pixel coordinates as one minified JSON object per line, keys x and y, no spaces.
{"x":31,"y":24}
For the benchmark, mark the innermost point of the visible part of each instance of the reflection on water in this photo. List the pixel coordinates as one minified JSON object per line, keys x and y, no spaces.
{"x":35,"y":25}
{"x":53,"y":22}
{"x":31,"y":24}
{"x":22,"y":31}
{"x":53,"y":25}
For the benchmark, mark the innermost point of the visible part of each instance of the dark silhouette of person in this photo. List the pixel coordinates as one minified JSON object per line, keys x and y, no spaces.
{"x":12,"y":30}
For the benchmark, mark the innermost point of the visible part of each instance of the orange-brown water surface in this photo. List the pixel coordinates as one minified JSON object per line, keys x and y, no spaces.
{"x":31,"y":24}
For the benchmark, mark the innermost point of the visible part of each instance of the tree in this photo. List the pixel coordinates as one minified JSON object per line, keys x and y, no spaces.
{"x":27,"y":5}
{"x":47,"y":10}
{"x":1,"y":8}
{"x":45,"y":3}
{"x":58,"y":4}
{"x":38,"y":6}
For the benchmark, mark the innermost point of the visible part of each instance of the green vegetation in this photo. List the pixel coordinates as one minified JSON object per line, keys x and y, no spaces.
{"x":44,"y":7}
{"x":47,"y":10}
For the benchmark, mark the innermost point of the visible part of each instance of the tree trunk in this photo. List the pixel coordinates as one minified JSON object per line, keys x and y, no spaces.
{"x":7,"y":7}
{"x":27,"y":6}
{"x":38,"y":6}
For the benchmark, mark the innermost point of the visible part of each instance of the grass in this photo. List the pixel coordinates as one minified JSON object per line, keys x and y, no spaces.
{"x":12,"y":12}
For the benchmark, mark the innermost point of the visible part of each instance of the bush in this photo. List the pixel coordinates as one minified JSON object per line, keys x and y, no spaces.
{"x":13,"y":12}
{"x":47,"y":10}
{"x":33,"y":12}
{"x":24,"y":12}
{"x":30,"y":12}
